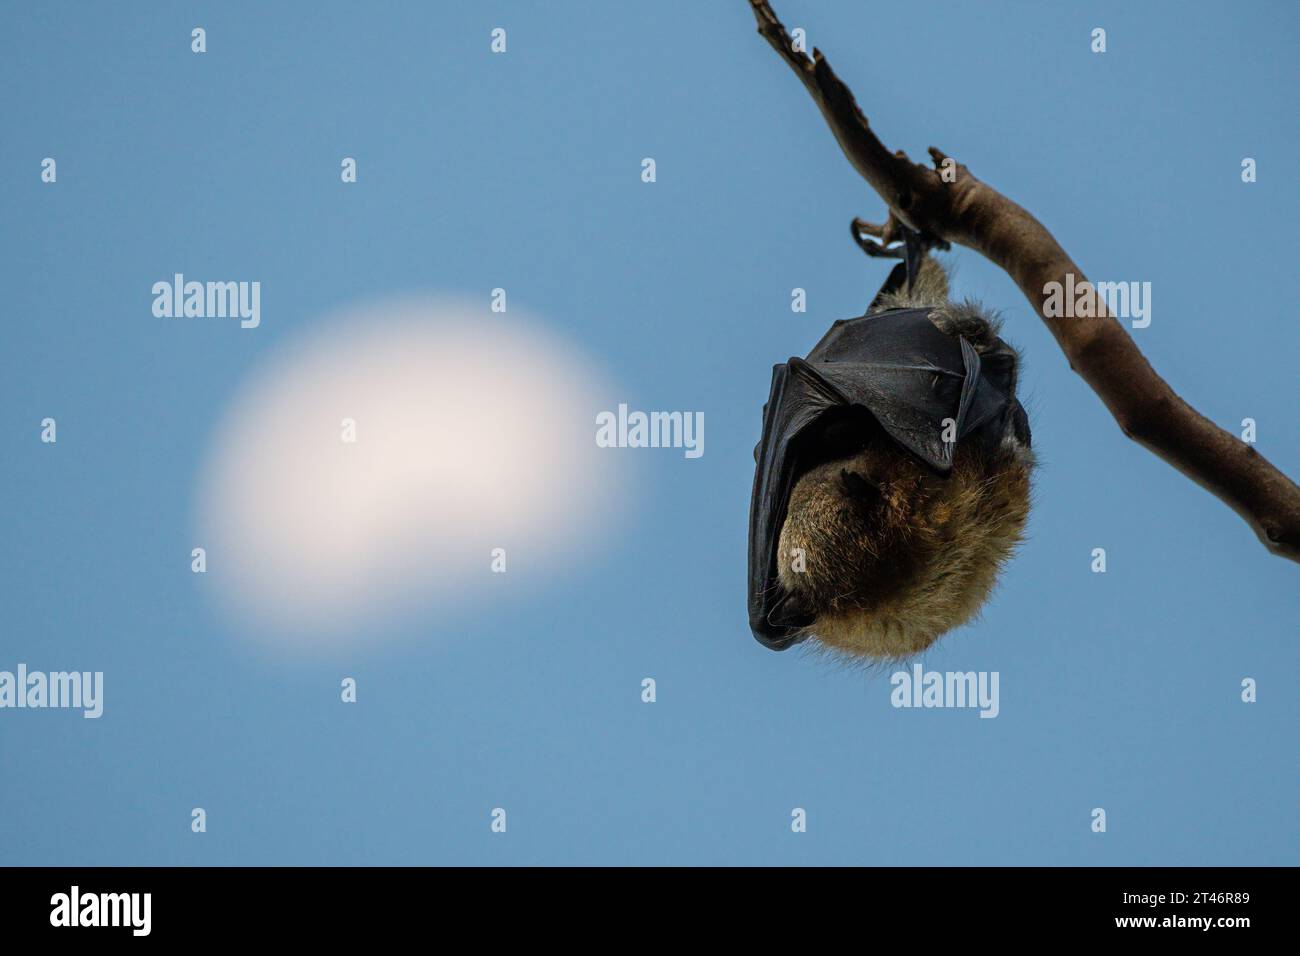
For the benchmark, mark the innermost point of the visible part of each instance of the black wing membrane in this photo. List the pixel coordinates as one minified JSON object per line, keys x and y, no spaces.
{"x":901,"y":370}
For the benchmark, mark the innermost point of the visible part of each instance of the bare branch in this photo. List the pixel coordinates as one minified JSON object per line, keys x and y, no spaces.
{"x":968,"y":212}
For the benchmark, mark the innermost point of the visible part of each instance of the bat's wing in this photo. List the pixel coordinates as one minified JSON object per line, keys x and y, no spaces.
{"x":797,"y":400}
{"x":912,"y":377}
{"x":919,"y":383}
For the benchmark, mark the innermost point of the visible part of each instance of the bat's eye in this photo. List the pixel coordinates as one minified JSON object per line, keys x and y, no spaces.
{"x":858,"y":487}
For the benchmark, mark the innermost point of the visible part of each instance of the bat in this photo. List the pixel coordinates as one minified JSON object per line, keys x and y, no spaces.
{"x":892,"y":476}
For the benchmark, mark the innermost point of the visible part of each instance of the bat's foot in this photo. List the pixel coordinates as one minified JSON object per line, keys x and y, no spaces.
{"x":914,"y":250}
{"x":888,"y":234}
{"x":892,"y":231}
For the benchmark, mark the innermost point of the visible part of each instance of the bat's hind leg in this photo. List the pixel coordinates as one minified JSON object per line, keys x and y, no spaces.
{"x":918,"y":279}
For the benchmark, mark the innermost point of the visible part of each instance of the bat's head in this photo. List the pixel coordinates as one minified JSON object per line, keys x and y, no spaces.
{"x":893,"y":482}
{"x":878,"y":556}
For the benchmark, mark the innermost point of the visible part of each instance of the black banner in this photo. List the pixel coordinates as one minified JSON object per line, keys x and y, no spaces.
{"x":369,"y":904}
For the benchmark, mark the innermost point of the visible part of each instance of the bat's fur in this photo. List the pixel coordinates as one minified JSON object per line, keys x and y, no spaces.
{"x":893,"y":555}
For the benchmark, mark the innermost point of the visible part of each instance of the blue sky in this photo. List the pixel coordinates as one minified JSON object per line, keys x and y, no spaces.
{"x":1118,"y":690}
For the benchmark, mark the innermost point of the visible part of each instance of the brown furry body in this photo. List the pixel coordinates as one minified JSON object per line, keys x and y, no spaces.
{"x":893,"y":556}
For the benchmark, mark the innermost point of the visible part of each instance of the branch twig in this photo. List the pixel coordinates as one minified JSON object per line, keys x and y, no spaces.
{"x":973,"y":214}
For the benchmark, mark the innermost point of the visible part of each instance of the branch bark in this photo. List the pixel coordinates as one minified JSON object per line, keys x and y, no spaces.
{"x":971,"y":213}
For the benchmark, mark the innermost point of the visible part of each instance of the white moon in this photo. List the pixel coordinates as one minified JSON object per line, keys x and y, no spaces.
{"x":473,"y":431}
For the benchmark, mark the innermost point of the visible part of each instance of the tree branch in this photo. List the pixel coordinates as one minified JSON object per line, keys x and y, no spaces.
{"x":968,"y":212}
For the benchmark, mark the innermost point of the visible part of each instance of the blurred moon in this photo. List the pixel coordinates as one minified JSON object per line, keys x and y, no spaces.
{"x":366,"y":472}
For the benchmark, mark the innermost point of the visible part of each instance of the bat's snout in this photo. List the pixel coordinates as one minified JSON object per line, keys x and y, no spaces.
{"x":784,"y":625}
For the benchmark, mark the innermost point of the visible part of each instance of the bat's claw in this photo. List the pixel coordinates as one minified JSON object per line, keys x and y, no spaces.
{"x":892,"y":231}
{"x":887,"y":234}
{"x":876,"y":250}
